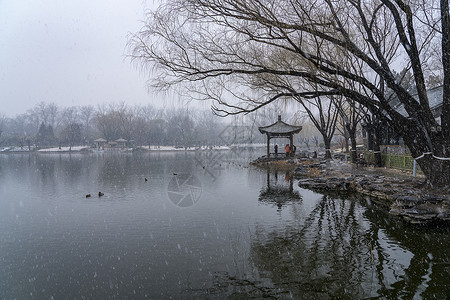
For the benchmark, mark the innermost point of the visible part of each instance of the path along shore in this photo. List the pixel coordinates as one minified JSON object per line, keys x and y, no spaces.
{"x":402,"y":194}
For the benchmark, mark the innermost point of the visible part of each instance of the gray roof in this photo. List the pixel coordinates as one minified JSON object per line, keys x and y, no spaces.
{"x":100,"y":140}
{"x":434,"y":98}
{"x":280,"y":128}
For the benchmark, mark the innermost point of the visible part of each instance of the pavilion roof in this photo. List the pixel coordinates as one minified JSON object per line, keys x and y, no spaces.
{"x":100,"y":140}
{"x":279,"y":128}
{"x":121,"y":140}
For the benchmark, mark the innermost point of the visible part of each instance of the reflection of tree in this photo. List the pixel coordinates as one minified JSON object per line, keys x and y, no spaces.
{"x":327,"y":256}
{"x":343,"y":250}
{"x":68,"y":166}
{"x":428,"y":271}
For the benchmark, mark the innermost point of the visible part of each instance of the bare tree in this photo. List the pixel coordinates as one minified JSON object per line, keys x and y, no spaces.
{"x":219,"y":47}
{"x":315,"y":139}
{"x":71,"y":134}
{"x":69,"y":129}
{"x":324,"y":114}
{"x":32,"y":119}
{"x":180,"y":127}
{"x":106,"y":122}
{"x":69,"y":115}
{"x":52,"y":114}
{"x":352,"y":114}
{"x":207,"y":128}
{"x":306,"y":141}
{"x":86,"y":116}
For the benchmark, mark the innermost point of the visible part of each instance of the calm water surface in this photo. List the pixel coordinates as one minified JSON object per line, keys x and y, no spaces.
{"x":202,"y":226}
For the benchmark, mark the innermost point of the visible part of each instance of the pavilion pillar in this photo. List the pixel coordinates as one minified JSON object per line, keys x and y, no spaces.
{"x":268,"y":145}
{"x":291,"y":141}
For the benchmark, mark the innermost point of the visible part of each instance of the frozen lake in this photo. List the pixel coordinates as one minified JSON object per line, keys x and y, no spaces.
{"x":202,"y":225}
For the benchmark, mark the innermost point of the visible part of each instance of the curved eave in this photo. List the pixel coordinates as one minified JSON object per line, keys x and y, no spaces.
{"x":280,"y":128}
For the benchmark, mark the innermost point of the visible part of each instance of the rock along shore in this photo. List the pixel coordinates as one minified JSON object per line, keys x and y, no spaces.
{"x":402,"y":194}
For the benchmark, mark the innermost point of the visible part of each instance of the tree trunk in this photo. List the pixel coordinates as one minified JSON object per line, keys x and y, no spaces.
{"x":351,"y":130}
{"x":353,"y":153}
{"x":437,"y":171}
{"x":327,"y":143}
{"x":346,"y":137}
{"x":376,"y":146}
{"x":445,"y":114}
{"x":430,"y":152}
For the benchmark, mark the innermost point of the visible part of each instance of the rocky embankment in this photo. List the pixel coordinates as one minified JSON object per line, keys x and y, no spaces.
{"x":404,"y":196}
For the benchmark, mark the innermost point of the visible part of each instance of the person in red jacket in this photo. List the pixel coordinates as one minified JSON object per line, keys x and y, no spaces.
{"x":287,"y":150}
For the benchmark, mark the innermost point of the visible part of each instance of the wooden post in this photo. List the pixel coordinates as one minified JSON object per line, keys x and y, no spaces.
{"x":268,"y":145}
{"x":291,"y":142}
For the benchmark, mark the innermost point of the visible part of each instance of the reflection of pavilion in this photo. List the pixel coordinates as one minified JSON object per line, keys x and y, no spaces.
{"x":279,"y":193}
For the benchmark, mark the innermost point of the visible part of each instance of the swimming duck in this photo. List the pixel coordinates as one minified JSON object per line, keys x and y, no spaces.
{"x":88,"y":195}
{"x":100,"y":194}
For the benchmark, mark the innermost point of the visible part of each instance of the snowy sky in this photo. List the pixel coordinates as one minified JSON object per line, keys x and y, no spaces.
{"x":69,"y":52}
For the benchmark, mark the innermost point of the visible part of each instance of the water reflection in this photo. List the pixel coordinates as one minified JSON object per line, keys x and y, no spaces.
{"x":250,"y":234}
{"x":345,"y":249}
{"x":427,"y":270}
{"x":328,"y":255}
{"x":279,"y":191}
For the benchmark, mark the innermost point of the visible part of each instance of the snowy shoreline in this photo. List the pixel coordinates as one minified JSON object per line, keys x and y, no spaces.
{"x":89,"y":149}
{"x":172,"y":148}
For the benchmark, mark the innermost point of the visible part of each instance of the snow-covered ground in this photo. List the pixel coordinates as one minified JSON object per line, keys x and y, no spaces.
{"x":172,"y":148}
{"x":65,"y":149}
{"x":89,"y":148}
{"x":15,"y":149}
{"x":252,"y":145}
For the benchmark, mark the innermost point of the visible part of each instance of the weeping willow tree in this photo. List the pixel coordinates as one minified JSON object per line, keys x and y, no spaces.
{"x":244,"y":55}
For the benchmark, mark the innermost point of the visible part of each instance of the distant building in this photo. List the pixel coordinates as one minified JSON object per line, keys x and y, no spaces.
{"x":389,"y":136}
{"x":100,"y":143}
{"x":435,"y":100}
{"x":121,"y":143}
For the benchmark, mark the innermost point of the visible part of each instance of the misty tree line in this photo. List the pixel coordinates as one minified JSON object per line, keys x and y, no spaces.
{"x":48,"y":124}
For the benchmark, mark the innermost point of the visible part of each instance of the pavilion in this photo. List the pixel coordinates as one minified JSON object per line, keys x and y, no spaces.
{"x":121,"y":142}
{"x":100,"y":142}
{"x":279,"y":129}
